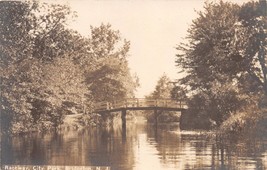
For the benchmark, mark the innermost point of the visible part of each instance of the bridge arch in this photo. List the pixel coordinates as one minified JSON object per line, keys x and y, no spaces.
{"x":139,"y":104}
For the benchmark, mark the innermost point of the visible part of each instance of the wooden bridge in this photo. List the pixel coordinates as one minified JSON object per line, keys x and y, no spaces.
{"x":140,"y":104}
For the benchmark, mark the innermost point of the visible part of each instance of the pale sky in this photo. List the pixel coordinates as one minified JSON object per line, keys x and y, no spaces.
{"x":154,"y":28}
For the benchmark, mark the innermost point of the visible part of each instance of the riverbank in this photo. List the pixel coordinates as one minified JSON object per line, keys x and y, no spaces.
{"x":72,"y":121}
{"x":79,"y":121}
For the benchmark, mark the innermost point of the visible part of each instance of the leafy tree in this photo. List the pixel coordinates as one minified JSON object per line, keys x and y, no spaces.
{"x":110,"y":79}
{"x":51,"y":38}
{"x":42,"y":75}
{"x":61,"y":90}
{"x":16,"y":23}
{"x":48,"y":71}
{"x":163,"y":88}
{"x":210,"y":54}
{"x":218,"y":59}
{"x":42,"y":26}
{"x":252,"y":39}
{"x":179,"y":92}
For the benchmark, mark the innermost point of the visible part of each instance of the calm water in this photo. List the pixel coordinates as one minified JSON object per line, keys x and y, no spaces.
{"x":143,"y":148}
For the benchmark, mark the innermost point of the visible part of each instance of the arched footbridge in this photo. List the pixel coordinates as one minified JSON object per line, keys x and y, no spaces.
{"x":139,"y":104}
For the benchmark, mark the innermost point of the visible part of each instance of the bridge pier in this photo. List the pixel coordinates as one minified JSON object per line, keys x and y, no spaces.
{"x":156,"y":114}
{"x":123,"y":120}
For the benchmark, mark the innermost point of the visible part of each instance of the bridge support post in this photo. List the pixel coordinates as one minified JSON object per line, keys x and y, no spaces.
{"x":156,"y":117}
{"x":123,"y":120}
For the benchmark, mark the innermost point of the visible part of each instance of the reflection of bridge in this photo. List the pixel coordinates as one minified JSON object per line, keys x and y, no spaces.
{"x":140,"y":104}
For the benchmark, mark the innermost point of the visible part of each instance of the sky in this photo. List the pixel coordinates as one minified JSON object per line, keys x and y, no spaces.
{"x":154,"y":28}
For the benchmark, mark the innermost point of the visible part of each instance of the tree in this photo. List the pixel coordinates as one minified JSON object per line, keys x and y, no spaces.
{"x":179,"y":92}
{"x":16,"y":22}
{"x":48,"y":70}
{"x":163,"y":88}
{"x":210,"y":53}
{"x":62,"y":90}
{"x":215,"y":61}
{"x":42,"y":75}
{"x":252,"y":35}
{"x":110,"y":78}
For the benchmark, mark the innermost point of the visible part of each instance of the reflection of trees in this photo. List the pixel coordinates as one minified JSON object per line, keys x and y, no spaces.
{"x":167,"y":144}
{"x":94,"y":147}
{"x":182,"y":151}
{"x":105,"y":147}
{"x":22,"y":149}
{"x":111,"y":149}
{"x":249,"y":150}
{"x":6,"y":150}
{"x":195,"y":151}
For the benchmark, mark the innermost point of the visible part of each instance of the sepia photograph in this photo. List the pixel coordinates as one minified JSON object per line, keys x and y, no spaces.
{"x":133,"y":84}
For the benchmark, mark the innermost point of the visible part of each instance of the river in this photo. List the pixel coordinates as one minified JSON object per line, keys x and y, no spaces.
{"x":143,"y":147}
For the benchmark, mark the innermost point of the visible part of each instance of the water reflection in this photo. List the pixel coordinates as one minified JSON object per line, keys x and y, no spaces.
{"x":143,"y":147}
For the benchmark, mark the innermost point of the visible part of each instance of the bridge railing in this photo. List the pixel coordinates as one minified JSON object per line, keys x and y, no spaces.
{"x":140,"y":102}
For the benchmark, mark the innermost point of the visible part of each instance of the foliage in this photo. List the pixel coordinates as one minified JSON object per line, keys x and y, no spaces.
{"x":224,"y":59}
{"x":110,"y":79}
{"x":163,"y":90}
{"x":252,"y":39}
{"x":179,"y":93}
{"x":49,"y":71}
{"x":209,"y":56}
{"x":25,"y":65}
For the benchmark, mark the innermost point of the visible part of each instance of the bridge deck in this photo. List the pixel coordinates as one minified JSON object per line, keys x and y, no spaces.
{"x":141,"y":104}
